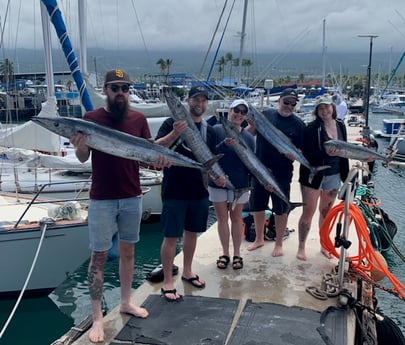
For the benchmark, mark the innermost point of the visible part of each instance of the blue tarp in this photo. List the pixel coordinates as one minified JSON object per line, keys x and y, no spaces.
{"x":242,"y":90}
{"x":209,"y":84}
{"x":315,"y":93}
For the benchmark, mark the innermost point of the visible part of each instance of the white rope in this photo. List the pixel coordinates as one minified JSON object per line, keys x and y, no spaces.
{"x":43,"y":229}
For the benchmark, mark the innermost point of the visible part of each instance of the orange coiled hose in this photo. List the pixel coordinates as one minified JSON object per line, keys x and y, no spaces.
{"x":366,"y":260}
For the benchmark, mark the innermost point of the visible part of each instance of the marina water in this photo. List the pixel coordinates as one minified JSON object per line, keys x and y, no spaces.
{"x":40,"y":321}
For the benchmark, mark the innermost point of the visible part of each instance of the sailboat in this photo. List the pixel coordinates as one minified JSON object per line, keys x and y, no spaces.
{"x":46,"y":239}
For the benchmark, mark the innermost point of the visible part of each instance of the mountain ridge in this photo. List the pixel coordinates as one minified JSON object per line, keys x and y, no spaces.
{"x":139,"y":63}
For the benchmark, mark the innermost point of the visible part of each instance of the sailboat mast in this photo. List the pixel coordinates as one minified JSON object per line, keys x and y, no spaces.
{"x":242,"y":40}
{"x":323,"y":54}
{"x":82,"y":9}
{"x":60,"y":28}
{"x":47,"y":48}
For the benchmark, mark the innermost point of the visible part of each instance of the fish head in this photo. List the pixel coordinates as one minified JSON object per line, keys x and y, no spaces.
{"x":228,"y":127}
{"x":56,"y":125}
{"x":177,"y":109}
{"x":253,"y":115}
{"x":331,"y":146}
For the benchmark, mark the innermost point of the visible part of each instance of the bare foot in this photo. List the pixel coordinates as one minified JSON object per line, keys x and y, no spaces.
{"x":134,"y":310}
{"x":301,"y":255}
{"x":277,"y":251}
{"x":96,"y":333}
{"x":255,"y":245}
{"x":326,"y":253}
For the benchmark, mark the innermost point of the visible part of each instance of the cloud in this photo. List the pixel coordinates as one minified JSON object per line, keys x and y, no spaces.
{"x":271,"y":25}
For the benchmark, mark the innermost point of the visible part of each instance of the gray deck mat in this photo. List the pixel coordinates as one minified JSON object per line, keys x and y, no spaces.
{"x":274,"y":324}
{"x":194,"y":320}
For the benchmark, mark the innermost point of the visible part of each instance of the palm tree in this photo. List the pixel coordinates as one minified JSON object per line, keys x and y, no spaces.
{"x":229,"y":57}
{"x":221,"y":62}
{"x":301,"y":78}
{"x":168,"y":64}
{"x":162,"y":65}
{"x":246,"y":63}
{"x":7,"y":70}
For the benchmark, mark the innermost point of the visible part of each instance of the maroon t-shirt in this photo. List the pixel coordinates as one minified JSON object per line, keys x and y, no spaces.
{"x":114,"y":177}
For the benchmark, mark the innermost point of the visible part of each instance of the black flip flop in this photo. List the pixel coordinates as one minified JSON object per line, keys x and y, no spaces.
{"x":174,"y":291}
{"x":193,"y":281}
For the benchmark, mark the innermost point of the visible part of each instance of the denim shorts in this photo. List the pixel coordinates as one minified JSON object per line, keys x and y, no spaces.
{"x":180,"y":215}
{"x":220,"y":195}
{"x":330,"y":182}
{"x":106,"y":217}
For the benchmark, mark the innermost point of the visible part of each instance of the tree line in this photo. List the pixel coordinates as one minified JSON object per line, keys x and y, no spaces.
{"x":226,"y":67}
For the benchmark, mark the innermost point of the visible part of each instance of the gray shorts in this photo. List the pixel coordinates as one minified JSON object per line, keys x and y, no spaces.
{"x":106,"y":217}
{"x":330,"y":182}
{"x":220,"y":195}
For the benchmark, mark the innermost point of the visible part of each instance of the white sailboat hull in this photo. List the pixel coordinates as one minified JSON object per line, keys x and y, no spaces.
{"x":64,"y":248}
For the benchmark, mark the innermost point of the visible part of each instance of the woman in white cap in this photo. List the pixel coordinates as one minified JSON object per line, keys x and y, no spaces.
{"x":222,"y":198}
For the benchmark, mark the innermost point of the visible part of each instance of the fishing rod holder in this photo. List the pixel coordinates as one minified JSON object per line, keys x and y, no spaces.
{"x":345,"y":244}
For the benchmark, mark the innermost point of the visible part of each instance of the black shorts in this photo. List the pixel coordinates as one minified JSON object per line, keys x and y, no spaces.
{"x":259,"y":197}
{"x":180,"y":215}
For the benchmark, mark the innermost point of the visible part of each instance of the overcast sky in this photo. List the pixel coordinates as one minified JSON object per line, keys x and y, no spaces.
{"x":271,"y":25}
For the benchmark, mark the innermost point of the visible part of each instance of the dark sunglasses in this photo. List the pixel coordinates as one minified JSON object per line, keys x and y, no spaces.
{"x":238,"y":110}
{"x":115,"y":88}
{"x":290,"y":103}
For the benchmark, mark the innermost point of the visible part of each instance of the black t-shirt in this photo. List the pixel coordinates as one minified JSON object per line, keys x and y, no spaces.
{"x":184,"y":183}
{"x":293,"y":127}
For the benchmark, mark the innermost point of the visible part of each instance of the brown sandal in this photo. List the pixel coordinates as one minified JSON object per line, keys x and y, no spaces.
{"x":223,"y":262}
{"x":237,"y":263}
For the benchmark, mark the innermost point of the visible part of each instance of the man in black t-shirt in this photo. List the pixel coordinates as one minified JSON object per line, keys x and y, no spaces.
{"x":184,"y":195}
{"x":281,"y":166}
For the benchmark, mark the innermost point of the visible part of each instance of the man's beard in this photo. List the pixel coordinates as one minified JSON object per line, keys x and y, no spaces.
{"x":196,"y":112}
{"x":117,"y":109}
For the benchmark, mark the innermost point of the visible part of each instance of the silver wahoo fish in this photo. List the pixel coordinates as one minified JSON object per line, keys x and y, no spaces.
{"x":280,"y":141}
{"x":116,"y":143}
{"x":254,"y":165}
{"x":193,"y":137}
{"x":353,"y":151}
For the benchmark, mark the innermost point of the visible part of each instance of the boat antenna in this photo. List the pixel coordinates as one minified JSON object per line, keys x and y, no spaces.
{"x":212,"y":39}
{"x":219,"y":44}
{"x":2,"y":27}
{"x":242,"y":40}
{"x":394,"y":71}
{"x":323,"y":52}
{"x":366,"y":128}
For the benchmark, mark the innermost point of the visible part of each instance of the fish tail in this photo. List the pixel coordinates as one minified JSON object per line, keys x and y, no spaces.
{"x":209,"y":163}
{"x":316,"y":170}
{"x":294,"y":205}
{"x":237,"y":194}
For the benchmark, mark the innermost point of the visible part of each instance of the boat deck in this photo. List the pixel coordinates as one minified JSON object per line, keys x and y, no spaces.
{"x":266,"y":299}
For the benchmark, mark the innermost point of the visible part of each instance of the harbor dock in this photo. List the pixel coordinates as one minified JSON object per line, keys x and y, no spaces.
{"x":267,"y":298}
